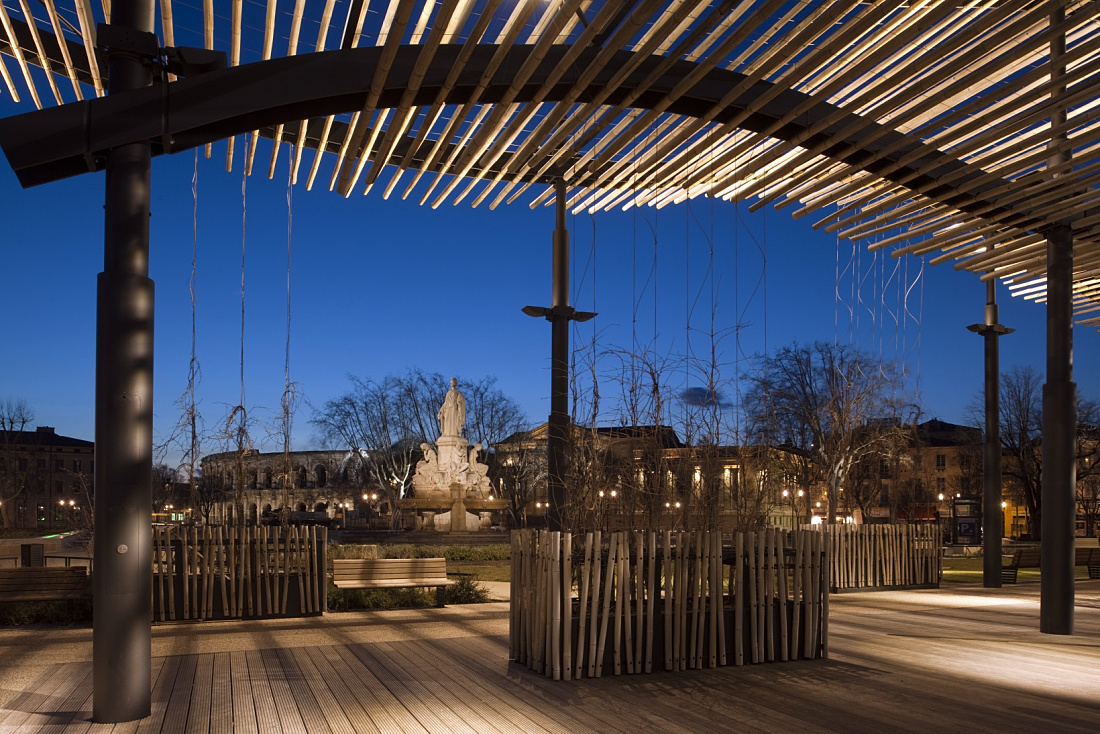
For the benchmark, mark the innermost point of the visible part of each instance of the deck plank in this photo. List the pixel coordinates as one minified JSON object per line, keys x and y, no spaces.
{"x":180,"y":695}
{"x":318,"y":690}
{"x":299,"y":693}
{"x":383,"y":709}
{"x":424,"y":709}
{"x":159,"y":698}
{"x":512,"y":712}
{"x":198,"y":709}
{"x":39,"y":696}
{"x":221,"y":695}
{"x":246,"y":715}
{"x":263,"y":700}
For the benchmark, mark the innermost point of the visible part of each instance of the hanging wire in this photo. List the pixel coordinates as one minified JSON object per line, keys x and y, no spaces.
{"x":193,"y":364}
{"x":290,"y":388}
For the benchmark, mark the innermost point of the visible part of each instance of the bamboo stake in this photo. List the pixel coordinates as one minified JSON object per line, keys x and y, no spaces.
{"x":597,"y":562}
{"x":174,"y":563}
{"x":769,"y":593}
{"x":608,"y":579}
{"x":815,"y":581}
{"x":266,"y":542}
{"x":625,"y":576}
{"x":796,"y":592}
{"x":223,"y":557}
{"x":621,"y":602}
{"x":567,"y":596}
{"x":582,"y":607}
{"x":554,"y":557}
{"x":696,"y":598}
{"x":720,"y":586}
{"x":714,"y":593}
{"x":666,"y":574}
{"x":198,"y":562}
{"x":212,"y":555}
{"x":185,"y":572}
{"x":807,"y":594}
{"x":513,"y":562}
{"x":781,"y":571}
{"x":825,"y":601}
{"x":540,"y":602}
{"x":750,"y":557}
{"x":640,"y":592}
{"x":158,"y":547}
{"x":680,"y":588}
{"x":739,"y":599}
{"x":651,"y":596}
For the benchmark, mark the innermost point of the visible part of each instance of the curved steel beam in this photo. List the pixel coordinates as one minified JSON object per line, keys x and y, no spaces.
{"x":59,"y":142}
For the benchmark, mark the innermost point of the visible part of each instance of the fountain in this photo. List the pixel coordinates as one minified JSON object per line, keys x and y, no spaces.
{"x":450,"y":482}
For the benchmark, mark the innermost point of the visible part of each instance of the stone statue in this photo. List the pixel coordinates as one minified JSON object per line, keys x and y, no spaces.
{"x":452,"y":414}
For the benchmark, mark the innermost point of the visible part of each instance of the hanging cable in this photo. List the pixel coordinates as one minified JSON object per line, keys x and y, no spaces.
{"x":191,"y":413}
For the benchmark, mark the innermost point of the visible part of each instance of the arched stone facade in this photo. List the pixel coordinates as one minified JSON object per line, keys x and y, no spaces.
{"x":317,"y":483}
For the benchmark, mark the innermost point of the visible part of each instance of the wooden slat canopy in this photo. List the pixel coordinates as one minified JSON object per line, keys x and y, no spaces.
{"x":962,"y":130}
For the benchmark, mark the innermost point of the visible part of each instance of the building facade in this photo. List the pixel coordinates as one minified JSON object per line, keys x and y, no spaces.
{"x":324,"y":483}
{"x":46,"y":480}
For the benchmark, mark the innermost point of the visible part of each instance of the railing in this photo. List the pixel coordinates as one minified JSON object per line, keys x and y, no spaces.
{"x":885,"y":556}
{"x":247,"y":572}
{"x":689,"y":599}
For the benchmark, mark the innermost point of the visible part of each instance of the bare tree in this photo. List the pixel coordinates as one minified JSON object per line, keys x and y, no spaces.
{"x":1088,"y":479}
{"x":1022,"y":433}
{"x":16,"y":468}
{"x":834,"y":393}
{"x":163,"y":485}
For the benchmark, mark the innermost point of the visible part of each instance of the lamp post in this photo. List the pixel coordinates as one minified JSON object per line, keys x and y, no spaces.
{"x":559,"y":315}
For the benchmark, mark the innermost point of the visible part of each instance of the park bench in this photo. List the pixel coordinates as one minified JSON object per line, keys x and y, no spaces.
{"x":1029,"y":558}
{"x":43,"y":584}
{"x":391,"y":573}
{"x":1021,"y":558}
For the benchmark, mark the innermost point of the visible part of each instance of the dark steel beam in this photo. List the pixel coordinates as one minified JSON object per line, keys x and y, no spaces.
{"x":64,"y":141}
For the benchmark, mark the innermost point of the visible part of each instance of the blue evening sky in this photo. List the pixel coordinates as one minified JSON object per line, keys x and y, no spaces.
{"x":379,"y":286}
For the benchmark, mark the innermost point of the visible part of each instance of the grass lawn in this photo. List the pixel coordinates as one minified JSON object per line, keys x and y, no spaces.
{"x":484,"y":570}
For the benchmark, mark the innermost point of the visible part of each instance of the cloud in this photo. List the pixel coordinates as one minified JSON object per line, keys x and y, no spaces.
{"x":703,"y":396}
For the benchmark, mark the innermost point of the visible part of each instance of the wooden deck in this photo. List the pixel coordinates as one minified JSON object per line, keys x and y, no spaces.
{"x":962,"y":660}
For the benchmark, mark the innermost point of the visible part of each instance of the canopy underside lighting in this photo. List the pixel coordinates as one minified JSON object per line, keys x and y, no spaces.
{"x":959,"y":130}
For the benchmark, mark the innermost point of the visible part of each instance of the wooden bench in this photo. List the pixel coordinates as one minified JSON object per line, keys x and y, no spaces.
{"x":1029,"y":558}
{"x":1021,"y":558}
{"x":391,"y":573}
{"x":1089,"y":557}
{"x":43,"y":584}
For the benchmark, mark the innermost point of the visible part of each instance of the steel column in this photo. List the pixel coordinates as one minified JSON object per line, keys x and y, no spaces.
{"x":992,"y":512}
{"x":122,"y":586}
{"x":1058,"y":502}
{"x":1059,"y":499}
{"x":559,"y":366}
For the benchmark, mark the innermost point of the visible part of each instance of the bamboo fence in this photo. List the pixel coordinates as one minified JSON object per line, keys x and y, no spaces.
{"x":238,"y":572}
{"x":885,"y":556}
{"x":623,"y":602}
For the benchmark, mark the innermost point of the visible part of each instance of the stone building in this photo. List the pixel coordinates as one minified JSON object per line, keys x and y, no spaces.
{"x":259,"y":484}
{"x":46,"y":479}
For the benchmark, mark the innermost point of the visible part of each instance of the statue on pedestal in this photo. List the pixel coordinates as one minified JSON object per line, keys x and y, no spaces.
{"x":451,"y":473}
{"x":452,"y":414}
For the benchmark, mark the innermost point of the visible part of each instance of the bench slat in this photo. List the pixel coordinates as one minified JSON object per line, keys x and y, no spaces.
{"x":389,"y":573}
{"x":43,"y":584}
